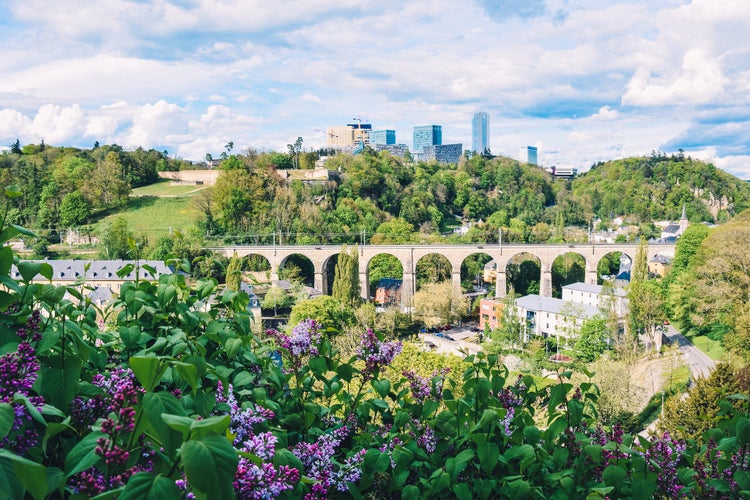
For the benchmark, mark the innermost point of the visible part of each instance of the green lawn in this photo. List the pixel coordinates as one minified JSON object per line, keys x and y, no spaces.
{"x":152,"y":216}
{"x":167,"y":188}
{"x":712,"y":348}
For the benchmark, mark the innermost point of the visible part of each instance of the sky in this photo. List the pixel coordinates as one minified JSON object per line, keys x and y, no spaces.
{"x":583,"y":80}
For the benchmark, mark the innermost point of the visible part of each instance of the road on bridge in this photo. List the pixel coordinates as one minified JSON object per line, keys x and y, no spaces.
{"x":699,"y":363}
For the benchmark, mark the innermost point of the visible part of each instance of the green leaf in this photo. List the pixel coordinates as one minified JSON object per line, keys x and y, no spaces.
{"x":148,"y":486}
{"x":462,"y":491}
{"x":210,"y":464}
{"x":232,"y":346}
{"x":613,"y":475}
{"x":382,"y":387}
{"x":10,"y":487}
{"x":318,"y":366}
{"x":518,"y":489}
{"x":410,"y":492}
{"x":488,"y":453}
{"x":82,"y":456}
{"x":188,"y":372}
{"x":28,"y":269}
{"x":211,"y":425}
{"x":31,"y":475}
{"x":148,"y":370}
{"x":130,"y":336}
{"x":6,"y":260}
{"x":7,"y":416}
{"x":179,"y":423}
{"x":59,"y":385}
{"x":154,"y":404}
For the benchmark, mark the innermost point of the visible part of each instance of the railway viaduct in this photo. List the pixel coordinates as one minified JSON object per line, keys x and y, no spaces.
{"x":409,"y":255}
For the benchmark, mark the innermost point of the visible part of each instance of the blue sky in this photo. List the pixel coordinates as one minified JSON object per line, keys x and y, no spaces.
{"x":584,"y":80}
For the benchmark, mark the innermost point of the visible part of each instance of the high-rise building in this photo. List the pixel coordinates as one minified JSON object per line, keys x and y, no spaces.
{"x":480,"y":132}
{"x":443,"y":153}
{"x":383,"y":137}
{"x":529,"y":154}
{"x":426,"y":135}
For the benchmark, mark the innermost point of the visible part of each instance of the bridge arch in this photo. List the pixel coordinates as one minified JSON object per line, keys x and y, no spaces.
{"x":379,"y":266}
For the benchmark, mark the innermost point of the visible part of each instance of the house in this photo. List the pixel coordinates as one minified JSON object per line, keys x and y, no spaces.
{"x":608,"y":299}
{"x":388,"y":292}
{"x":490,"y":314}
{"x":659,"y":265}
{"x":551,"y":317}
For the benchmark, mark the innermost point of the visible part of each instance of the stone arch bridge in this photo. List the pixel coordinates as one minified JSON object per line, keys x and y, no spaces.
{"x":408,"y":255}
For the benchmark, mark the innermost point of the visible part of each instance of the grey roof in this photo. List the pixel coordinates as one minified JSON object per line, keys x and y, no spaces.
{"x":663,"y":259}
{"x":556,"y":306}
{"x":99,"y":269}
{"x":591,"y":288}
{"x":671,"y":229}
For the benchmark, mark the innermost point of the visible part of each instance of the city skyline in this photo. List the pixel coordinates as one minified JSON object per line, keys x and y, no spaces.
{"x":583,"y":81}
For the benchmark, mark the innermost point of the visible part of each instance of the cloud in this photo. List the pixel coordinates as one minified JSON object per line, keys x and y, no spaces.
{"x":699,"y":81}
{"x":14,"y":125}
{"x":605,"y":113}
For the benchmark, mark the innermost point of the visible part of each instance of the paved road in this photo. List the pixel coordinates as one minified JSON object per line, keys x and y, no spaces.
{"x":700,"y":364}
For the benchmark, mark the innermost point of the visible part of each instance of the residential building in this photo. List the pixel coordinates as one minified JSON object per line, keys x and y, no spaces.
{"x":443,"y":153}
{"x":551,"y":317}
{"x":384,"y":137}
{"x":529,"y":154}
{"x":490,"y":314}
{"x":388,"y":292}
{"x":562,"y":172}
{"x":659,"y":266}
{"x":480,"y":132}
{"x":609,"y":298}
{"x":426,"y":135}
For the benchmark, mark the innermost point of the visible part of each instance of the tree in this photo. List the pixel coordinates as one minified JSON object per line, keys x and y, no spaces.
{"x":275,"y":297}
{"x":295,"y":150}
{"x":328,"y":312}
{"x":440,"y":303}
{"x":116,"y":239}
{"x":346,"y":287}
{"x":592,"y":339}
{"x":106,"y":183}
{"x":234,"y":273}
{"x":75,"y":210}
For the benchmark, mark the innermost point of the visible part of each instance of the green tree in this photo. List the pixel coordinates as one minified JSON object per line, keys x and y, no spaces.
{"x":592,"y":339}
{"x":325,"y":310}
{"x":275,"y":297}
{"x":107,"y":184}
{"x":116,"y":240}
{"x":75,"y":210}
{"x":439,"y":303}
{"x":234,"y":273}
{"x":346,"y":286}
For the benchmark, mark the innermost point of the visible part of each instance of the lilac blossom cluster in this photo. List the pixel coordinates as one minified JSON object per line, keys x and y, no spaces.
{"x":241,"y":420}
{"x":18,"y":372}
{"x":319,"y":463}
{"x":662,"y":457}
{"x":121,"y":395}
{"x":376,"y":353}
{"x":252,"y":480}
{"x":424,"y":434}
{"x":302,"y":342}
{"x":510,"y":398}
{"x":423,"y":388}
{"x":707,"y":468}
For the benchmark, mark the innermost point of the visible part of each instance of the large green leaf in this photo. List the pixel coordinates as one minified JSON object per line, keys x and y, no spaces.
{"x":149,"y":486}
{"x":31,"y":475}
{"x":210,"y":463}
{"x":59,"y":385}
{"x":7,"y":416}
{"x":82,"y":456}
{"x":148,"y":370}
{"x":154,"y":404}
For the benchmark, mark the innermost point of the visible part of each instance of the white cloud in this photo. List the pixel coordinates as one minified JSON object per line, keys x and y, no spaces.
{"x":14,"y":125}
{"x":605,"y":113}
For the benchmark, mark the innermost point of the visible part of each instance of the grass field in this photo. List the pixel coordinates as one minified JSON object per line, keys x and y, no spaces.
{"x":153,"y":216}
{"x":167,"y":188}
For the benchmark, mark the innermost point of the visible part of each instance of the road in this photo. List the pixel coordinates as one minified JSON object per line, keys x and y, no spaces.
{"x":699,"y":363}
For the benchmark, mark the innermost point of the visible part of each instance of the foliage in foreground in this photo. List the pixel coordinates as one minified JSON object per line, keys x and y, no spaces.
{"x":166,"y":400}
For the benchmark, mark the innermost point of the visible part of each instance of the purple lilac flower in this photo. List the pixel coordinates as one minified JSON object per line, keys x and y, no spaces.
{"x":423,"y":388}
{"x":242,"y":421}
{"x":424,"y":434}
{"x":264,"y":482}
{"x":18,"y":372}
{"x":662,"y":457}
{"x":319,"y":463}
{"x":376,"y":353}
{"x":302,"y":342}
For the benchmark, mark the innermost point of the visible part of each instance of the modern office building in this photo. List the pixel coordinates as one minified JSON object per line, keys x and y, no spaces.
{"x":443,"y":153}
{"x":529,"y":154}
{"x":480,"y":132}
{"x":383,"y":137}
{"x":426,"y":135}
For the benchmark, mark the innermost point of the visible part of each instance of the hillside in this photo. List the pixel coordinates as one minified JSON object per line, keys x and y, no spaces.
{"x":656,"y":188}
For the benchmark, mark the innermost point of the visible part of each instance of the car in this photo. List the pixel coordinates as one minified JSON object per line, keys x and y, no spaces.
{"x":666,"y":322}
